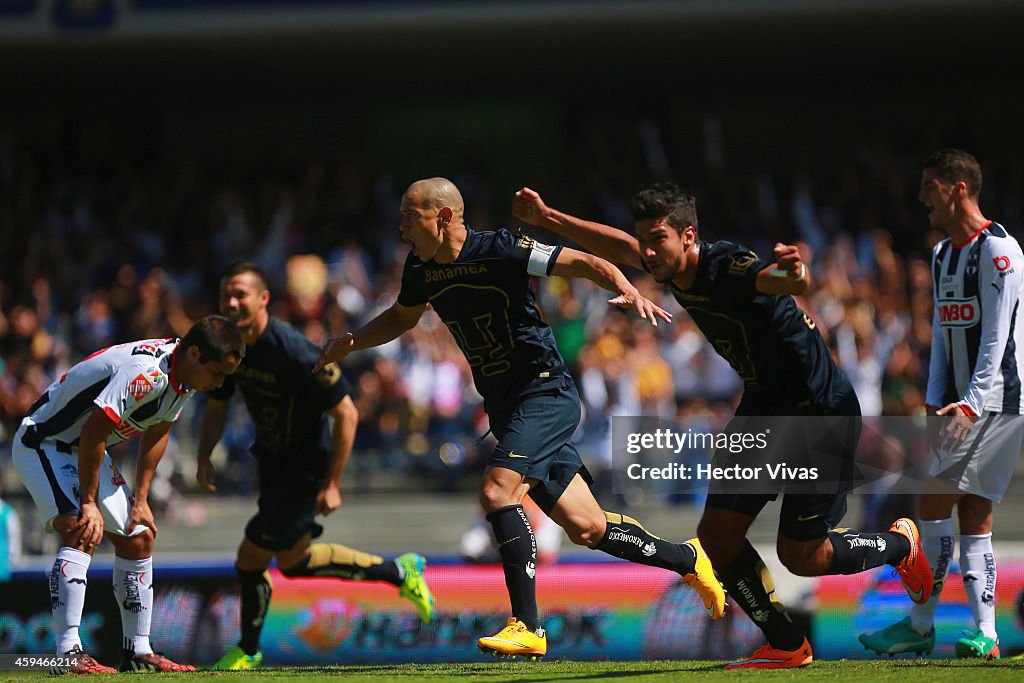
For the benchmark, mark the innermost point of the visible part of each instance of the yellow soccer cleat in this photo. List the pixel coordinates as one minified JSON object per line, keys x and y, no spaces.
{"x":236,"y":660}
{"x":515,"y":640}
{"x":414,"y":587}
{"x":704,"y":581}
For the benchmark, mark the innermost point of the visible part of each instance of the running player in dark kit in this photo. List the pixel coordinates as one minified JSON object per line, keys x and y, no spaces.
{"x":479,"y":284}
{"x":300,"y":460}
{"x":744,"y":307}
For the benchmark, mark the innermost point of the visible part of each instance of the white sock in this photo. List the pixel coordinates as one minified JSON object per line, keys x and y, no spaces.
{"x":937,"y":540}
{"x":67,"y":596}
{"x":133,"y":589}
{"x":978,"y":565}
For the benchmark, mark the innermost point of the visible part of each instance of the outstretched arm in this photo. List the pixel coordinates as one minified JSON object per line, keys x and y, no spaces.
{"x":607,"y":242}
{"x":389,"y":325}
{"x":574,"y":263}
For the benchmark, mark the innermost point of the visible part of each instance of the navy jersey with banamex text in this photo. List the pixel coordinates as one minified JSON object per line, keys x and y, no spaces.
{"x":286,"y":401}
{"x":785,"y":364}
{"x":977,"y":331}
{"x":485,"y":299}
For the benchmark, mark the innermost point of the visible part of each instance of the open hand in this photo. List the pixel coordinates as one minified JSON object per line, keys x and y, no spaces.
{"x":334,"y":351}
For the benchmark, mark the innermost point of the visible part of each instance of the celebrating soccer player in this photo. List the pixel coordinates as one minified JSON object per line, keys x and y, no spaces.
{"x":479,"y":284}
{"x":300,"y":463}
{"x":744,"y":307}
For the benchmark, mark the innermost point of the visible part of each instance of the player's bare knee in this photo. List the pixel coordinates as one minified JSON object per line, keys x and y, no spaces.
{"x":799,"y":564}
{"x":720,"y":548}
{"x":805,"y":559}
{"x":975,"y":515}
{"x":494,"y":496}
{"x":936,"y":506}
{"x":585,"y":532}
{"x":288,"y":561}
{"x":137,"y":547}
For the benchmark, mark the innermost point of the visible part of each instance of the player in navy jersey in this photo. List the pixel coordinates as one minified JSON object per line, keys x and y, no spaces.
{"x":974,"y":379}
{"x":479,"y":285}
{"x":300,"y":459}
{"x":127,"y":390}
{"x":744,"y":307}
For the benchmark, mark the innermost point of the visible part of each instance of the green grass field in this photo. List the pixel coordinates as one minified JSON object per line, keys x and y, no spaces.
{"x":648,"y":672}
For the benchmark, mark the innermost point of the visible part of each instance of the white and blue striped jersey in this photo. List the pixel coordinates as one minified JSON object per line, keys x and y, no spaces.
{"x":977,"y":336}
{"x":132,"y":383}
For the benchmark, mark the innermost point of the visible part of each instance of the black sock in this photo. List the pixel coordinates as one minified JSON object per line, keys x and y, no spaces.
{"x":751,"y":586}
{"x":342,"y":562}
{"x":255,"y":594}
{"x":518,"y":548}
{"x":627,"y":538}
{"x":854,"y":552}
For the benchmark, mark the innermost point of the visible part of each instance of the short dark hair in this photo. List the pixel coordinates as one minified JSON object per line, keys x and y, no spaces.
{"x":665,"y":200}
{"x":216,"y":337}
{"x":954,"y":165}
{"x":239,"y":267}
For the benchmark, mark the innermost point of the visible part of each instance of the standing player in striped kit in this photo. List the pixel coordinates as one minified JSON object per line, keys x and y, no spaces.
{"x":974,"y":375}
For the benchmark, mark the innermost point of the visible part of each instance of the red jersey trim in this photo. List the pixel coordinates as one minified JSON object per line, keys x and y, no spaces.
{"x":179,"y":389}
{"x":971,"y":238}
{"x":114,"y":417}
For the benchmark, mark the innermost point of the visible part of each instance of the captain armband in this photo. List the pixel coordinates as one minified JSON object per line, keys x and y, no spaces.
{"x":542,"y":259}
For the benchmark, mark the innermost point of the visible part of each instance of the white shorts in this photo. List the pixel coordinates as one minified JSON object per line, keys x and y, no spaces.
{"x":983,"y":465}
{"x":51,"y":476}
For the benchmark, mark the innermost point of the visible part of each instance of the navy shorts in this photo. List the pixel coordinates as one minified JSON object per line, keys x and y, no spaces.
{"x":805,"y":516}
{"x":533,"y":440}
{"x":286,"y":508}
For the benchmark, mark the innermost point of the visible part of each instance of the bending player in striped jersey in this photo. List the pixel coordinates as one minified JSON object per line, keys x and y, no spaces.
{"x":128,"y":390}
{"x":974,"y":379}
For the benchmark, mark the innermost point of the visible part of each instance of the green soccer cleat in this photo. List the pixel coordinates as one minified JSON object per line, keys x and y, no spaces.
{"x":236,"y":660}
{"x":898,"y":638}
{"x":976,"y":644}
{"x":414,"y":587}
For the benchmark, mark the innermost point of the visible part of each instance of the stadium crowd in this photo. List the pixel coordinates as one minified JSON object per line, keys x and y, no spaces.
{"x":105,"y":246}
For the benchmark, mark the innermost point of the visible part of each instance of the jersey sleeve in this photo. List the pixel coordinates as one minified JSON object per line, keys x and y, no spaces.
{"x":1001,"y":272}
{"x":411,"y":294}
{"x":538,"y":258}
{"x":129,"y":387}
{"x":326,"y":388}
{"x":733,"y":272}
